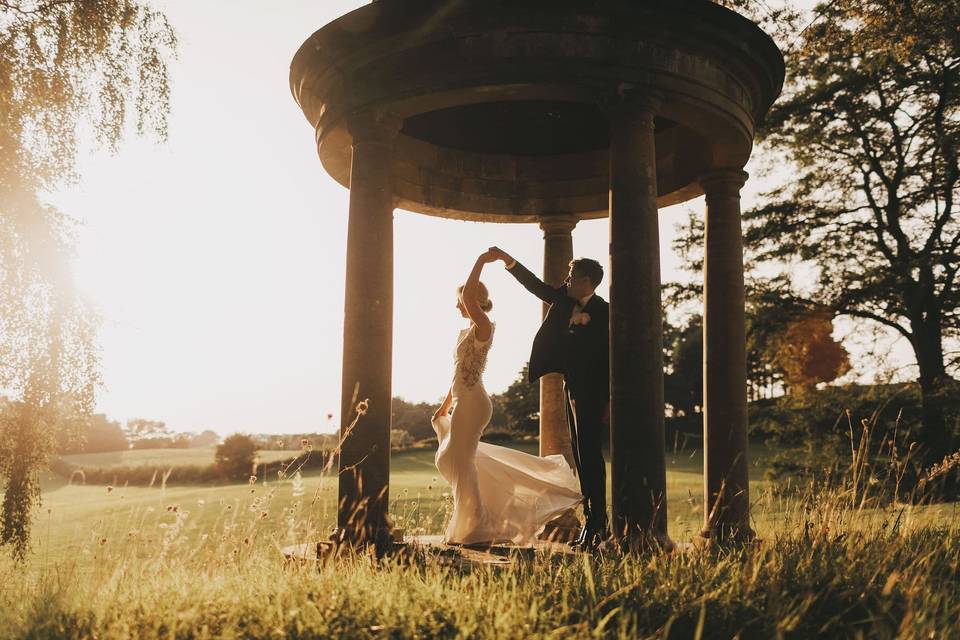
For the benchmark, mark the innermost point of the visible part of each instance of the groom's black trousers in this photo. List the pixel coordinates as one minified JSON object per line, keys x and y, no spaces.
{"x":585,"y":417}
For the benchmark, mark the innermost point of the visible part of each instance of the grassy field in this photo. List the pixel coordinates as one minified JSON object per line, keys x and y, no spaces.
{"x":74,"y":513}
{"x":193,"y":562}
{"x":144,"y":457}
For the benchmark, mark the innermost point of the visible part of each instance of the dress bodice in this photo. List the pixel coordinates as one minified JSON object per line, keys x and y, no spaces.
{"x":470,"y":358}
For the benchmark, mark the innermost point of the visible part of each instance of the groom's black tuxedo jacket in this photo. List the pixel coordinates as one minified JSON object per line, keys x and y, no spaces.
{"x":580,"y":352}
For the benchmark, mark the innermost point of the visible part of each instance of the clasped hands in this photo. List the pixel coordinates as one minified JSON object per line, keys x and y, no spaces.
{"x":493,"y":254}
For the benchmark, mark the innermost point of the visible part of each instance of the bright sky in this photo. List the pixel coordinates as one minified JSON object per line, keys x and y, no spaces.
{"x":217,"y":259}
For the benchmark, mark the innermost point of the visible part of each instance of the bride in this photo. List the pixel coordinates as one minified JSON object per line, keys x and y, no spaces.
{"x":500,"y":495}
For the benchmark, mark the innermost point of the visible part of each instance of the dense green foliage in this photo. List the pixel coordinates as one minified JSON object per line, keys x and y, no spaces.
{"x":815,"y":433}
{"x":414,"y":418}
{"x":863,"y":146}
{"x":520,"y":404}
{"x":180,"y":470}
{"x":235,"y":456}
{"x":870,"y":123}
{"x":96,"y":434}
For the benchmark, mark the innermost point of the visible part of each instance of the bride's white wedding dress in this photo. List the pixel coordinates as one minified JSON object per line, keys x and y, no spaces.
{"x":500,"y":495}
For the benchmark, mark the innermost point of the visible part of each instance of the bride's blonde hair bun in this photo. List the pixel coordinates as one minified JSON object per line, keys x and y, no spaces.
{"x":483,"y":297}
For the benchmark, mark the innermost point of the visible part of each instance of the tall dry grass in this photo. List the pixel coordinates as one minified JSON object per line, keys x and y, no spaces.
{"x":845,"y":559}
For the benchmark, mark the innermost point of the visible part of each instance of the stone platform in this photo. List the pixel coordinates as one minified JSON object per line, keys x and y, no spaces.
{"x":450,"y":554}
{"x":460,"y":556}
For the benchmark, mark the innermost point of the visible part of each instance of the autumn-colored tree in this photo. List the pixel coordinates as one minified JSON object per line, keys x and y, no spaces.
{"x":808,"y":354}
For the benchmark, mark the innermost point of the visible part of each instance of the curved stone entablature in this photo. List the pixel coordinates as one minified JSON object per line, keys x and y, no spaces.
{"x":503,"y":102}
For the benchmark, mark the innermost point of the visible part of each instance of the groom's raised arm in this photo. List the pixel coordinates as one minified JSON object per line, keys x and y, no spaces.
{"x":530,"y":282}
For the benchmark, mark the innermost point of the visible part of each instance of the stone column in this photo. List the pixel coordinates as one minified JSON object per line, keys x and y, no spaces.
{"x":726,"y":486}
{"x":636,"y":330}
{"x":364,"y":469}
{"x":557,"y":254}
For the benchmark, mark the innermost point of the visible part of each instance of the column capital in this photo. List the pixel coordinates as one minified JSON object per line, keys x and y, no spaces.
{"x":632,"y":100}
{"x":723,"y":182}
{"x":558,"y":224}
{"x":373,"y":126}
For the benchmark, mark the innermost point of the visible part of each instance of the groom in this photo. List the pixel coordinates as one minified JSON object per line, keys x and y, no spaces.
{"x":574,"y":340}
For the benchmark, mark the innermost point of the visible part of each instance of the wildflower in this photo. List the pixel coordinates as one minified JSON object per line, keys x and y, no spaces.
{"x":253,"y":480}
{"x":109,"y":489}
{"x":247,"y":541}
{"x":304,"y":442}
{"x":201,"y":502}
{"x":133,"y":533}
{"x":253,"y":490}
{"x":263,"y":515}
{"x":229,"y":507}
{"x":363,"y":406}
{"x":297,"y":485}
{"x":103,"y":541}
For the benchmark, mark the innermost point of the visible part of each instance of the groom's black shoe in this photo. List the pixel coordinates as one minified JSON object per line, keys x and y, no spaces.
{"x":596,"y":537}
{"x":581,"y":537}
{"x":591,"y":536}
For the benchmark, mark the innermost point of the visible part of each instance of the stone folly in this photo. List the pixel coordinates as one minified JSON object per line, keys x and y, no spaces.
{"x":548,"y":112}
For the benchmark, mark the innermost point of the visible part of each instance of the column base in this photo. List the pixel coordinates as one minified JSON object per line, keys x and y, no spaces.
{"x":725,"y":538}
{"x":380,"y":540}
{"x":645,"y":542}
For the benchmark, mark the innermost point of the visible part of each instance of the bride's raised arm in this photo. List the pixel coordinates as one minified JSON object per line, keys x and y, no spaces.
{"x":470,"y":294}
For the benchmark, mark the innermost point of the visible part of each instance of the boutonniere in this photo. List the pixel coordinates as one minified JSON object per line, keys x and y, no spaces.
{"x":579,"y":318}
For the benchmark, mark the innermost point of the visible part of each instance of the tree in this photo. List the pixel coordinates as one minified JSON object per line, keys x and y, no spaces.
{"x":521,"y":404}
{"x":683,"y":359}
{"x":400,"y":439}
{"x":808,"y":354}
{"x":102,"y":434}
{"x":414,"y":418}
{"x":236,"y":456}
{"x":869,"y":128}
{"x":206,"y":438}
{"x":140,"y":431}
{"x":66,"y":68}
{"x":870,"y":125}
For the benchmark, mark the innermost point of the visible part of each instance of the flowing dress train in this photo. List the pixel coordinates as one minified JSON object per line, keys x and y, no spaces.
{"x":500,"y":495}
